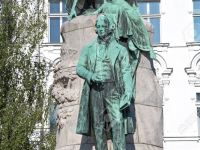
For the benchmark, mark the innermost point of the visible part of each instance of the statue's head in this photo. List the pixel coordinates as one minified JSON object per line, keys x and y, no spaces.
{"x":104,"y":27}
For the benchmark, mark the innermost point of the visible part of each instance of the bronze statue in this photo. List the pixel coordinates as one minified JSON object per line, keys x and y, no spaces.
{"x":108,"y":89}
{"x":130,"y":30}
{"x":124,"y":13}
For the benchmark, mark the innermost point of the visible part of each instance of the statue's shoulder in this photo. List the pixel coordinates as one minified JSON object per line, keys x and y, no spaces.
{"x":91,"y":44}
{"x":119,"y":46}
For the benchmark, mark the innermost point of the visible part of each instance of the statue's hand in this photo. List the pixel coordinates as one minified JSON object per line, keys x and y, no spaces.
{"x":72,"y":15}
{"x":125,"y":100}
{"x":96,"y":78}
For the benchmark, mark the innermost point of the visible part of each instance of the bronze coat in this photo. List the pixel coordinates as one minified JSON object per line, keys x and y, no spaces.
{"x":123,"y":79}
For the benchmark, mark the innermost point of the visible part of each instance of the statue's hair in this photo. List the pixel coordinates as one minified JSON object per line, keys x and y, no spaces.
{"x":111,"y":24}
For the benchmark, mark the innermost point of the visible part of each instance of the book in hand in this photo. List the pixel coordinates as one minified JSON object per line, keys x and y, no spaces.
{"x":124,"y":102}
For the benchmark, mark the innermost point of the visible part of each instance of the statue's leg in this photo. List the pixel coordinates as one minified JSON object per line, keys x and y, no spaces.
{"x":112,"y":99}
{"x":97,"y":112}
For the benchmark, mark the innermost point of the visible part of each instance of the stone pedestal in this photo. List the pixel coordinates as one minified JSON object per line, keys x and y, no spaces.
{"x":68,"y":87}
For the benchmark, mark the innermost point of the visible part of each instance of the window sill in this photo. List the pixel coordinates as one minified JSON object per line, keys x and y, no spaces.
{"x":197,"y":103}
{"x":61,"y":14}
{"x":152,"y":16}
{"x":193,"y":43}
{"x":160,"y":44}
{"x":52,"y":44}
{"x":196,"y":14}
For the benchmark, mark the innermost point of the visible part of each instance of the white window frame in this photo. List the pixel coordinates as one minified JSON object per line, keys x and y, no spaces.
{"x":153,"y":16}
{"x":56,"y":15}
{"x":194,"y":15}
{"x":150,"y":16}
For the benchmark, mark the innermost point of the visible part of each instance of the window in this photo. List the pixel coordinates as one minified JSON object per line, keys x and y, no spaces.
{"x":196,"y":6}
{"x":142,"y":7}
{"x":57,"y":15}
{"x":53,"y":115}
{"x":156,"y":23}
{"x":198,"y":96}
{"x":196,"y":14}
{"x":151,"y":12}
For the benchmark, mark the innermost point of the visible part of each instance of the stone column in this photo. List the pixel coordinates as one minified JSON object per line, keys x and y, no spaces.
{"x":68,"y":87}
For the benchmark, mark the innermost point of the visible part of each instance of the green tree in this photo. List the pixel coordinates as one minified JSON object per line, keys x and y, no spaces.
{"x":24,"y":99}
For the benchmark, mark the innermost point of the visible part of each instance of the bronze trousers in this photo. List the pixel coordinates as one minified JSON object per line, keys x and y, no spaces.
{"x":106,"y":116}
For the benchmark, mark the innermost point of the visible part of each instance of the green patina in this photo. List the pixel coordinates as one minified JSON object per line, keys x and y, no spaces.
{"x":124,"y":13}
{"x":108,"y":88}
{"x":109,"y":68}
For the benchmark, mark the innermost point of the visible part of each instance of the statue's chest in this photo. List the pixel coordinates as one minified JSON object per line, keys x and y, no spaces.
{"x":103,"y":67}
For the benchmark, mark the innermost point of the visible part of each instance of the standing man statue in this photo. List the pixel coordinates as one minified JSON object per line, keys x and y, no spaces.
{"x":108,"y":89}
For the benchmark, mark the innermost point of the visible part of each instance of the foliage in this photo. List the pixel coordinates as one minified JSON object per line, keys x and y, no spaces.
{"x":48,"y":141}
{"x":24,"y":100}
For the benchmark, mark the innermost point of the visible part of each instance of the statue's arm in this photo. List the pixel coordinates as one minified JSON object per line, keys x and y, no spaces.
{"x":127,"y":79}
{"x":126,"y":71}
{"x":73,"y":11}
{"x":99,"y":10}
{"x":81,"y":68}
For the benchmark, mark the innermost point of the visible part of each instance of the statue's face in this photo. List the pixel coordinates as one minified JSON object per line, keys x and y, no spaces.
{"x":102,"y":28}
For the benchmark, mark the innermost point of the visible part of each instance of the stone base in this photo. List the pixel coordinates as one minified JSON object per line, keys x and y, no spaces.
{"x":129,"y":147}
{"x":146,"y":112}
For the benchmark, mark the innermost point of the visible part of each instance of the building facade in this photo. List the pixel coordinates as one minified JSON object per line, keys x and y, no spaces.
{"x":177,"y":46}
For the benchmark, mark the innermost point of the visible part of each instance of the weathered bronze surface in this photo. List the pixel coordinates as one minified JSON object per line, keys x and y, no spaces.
{"x":108,"y":89}
{"x":130,"y":29}
{"x":109,"y":69}
{"x":147,"y":106}
{"x":125,"y":15}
